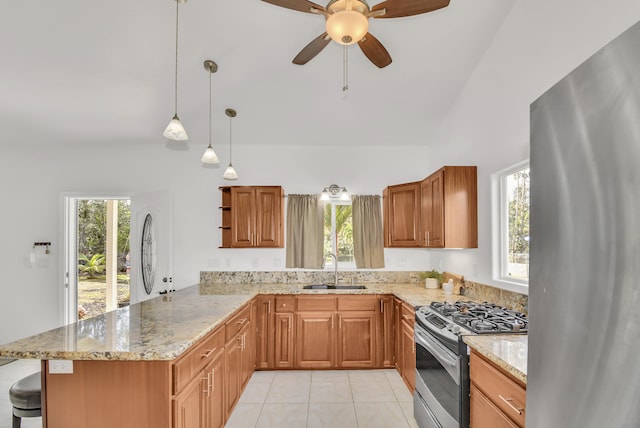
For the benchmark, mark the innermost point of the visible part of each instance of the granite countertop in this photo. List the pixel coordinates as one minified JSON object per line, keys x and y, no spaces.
{"x":164,"y":327}
{"x":508,"y":351}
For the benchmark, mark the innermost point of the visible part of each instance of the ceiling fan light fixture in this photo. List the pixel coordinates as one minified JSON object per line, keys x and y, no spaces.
{"x":347,"y":26}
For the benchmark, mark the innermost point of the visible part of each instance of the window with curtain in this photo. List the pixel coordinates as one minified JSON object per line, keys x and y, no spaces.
{"x":368,"y":242}
{"x":305,"y":225}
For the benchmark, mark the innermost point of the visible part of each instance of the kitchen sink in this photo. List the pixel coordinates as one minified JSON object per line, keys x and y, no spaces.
{"x":333,"y":287}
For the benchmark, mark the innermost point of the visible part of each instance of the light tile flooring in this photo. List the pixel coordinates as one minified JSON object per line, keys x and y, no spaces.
{"x":287,"y":399}
{"x":10,"y":373}
{"x":318,"y":398}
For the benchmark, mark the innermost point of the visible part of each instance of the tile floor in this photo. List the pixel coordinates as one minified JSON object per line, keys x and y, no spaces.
{"x":287,"y":399}
{"x":9,"y":373}
{"x":314,"y":399}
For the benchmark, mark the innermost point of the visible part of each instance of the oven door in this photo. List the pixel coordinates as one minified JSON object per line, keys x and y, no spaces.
{"x":438,"y":381}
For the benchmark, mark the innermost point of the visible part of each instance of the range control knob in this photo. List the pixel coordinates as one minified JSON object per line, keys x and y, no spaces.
{"x":456,"y":329}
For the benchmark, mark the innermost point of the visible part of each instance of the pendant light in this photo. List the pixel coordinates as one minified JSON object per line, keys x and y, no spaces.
{"x":175,"y":130}
{"x":209,"y":156}
{"x":230,"y":173}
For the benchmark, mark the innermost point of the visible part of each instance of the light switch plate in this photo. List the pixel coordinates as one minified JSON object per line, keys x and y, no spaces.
{"x":60,"y":366}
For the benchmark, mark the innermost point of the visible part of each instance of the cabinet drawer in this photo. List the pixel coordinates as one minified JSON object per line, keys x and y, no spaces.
{"x":408,"y":314}
{"x":316,"y":303}
{"x":504,"y":392}
{"x":285,"y":304}
{"x":357,"y":303}
{"x":485,"y":414}
{"x":239,"y":320}
{"x":201,"y":354}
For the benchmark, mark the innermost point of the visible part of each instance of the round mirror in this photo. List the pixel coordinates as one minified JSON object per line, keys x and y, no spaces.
{"x":148,"y":254}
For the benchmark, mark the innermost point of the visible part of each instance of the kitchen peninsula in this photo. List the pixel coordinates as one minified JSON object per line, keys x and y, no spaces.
{"x":154,"y":360}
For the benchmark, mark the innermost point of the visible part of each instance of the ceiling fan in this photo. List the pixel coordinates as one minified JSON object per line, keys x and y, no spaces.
{"x":347,"y":22}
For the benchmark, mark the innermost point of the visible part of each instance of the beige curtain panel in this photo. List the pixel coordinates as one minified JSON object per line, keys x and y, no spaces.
{"x":368,"y":242}
{"x":305,"y":232}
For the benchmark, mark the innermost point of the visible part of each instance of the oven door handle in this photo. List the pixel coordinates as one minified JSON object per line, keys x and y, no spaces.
{"x":445,"y":357}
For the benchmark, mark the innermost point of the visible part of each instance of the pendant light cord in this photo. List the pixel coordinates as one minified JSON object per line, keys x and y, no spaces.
{"x":230,"y":138}
{"x":176,"y":73}
{"x":210,"y":73}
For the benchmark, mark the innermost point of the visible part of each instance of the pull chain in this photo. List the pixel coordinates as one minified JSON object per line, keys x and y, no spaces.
{"x":345,"y":68}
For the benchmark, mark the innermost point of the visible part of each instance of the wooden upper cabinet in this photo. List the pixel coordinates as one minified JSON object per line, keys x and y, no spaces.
{"x":402,"y":212}
{"x":432,"y":210}
{"x":253,"y":217}
{"x":442,"y":211}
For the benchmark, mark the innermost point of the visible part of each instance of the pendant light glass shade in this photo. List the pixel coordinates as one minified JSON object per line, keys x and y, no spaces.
{"x":175,"y":130}
{"x":230,"y":173}
{"x":210,"y":156}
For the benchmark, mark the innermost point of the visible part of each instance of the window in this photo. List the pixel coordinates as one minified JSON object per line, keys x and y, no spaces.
{"x":511,"y":234}
{"x":338,"y":233}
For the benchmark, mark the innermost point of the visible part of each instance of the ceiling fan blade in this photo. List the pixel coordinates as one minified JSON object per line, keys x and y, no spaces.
{"x":299,"y":5}
{"x":374,"y":50}
{"x":398,"y":8}
{"x":312,"y":49}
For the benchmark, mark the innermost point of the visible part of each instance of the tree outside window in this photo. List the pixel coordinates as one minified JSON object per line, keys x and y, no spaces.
{"x":338,"y":233}
{"x":516,"y":201}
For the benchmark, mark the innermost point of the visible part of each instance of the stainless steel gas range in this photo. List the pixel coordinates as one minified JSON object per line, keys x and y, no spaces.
{"x":441,"y":398}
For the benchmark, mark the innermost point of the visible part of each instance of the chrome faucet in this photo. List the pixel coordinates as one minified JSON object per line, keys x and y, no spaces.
{"x":335,"y":266}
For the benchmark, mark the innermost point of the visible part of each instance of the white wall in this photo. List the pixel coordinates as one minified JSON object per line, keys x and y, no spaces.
{"x":539,"y":43}
{"x":34,"y":179}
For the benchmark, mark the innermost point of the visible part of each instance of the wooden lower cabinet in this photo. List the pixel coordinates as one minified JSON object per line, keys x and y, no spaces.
{"x":497,"y":398}
{"x":405,"y":344}
{"x":484,"y":412}
{"x":264,"y":332}
{"x":214,"y":408}
{"x":315,"y":340}
{"x":356,"y":339}
{"x":238,"y":369}
{"x":283,"y":340}
{"x":188,"y":406}
{"x":385,"y":335}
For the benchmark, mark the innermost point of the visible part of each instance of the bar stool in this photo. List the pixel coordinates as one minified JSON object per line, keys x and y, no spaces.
{"x":25,"y":398}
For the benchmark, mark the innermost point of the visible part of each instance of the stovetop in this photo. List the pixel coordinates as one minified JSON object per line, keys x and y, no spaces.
{"x":450,"y":321}
{"x":482,"y":318}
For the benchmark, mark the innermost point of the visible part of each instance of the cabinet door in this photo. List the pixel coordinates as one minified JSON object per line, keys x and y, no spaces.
{"x":315,"y":339}
{"x":246,"y":364}
{"x":188,"y":406}
{"x":485,"y":414}
{"x":385,"y":335}
{"x":432,"y":210}
{"x":404,"y":215}
{"x":397,"y":333}
{"x":242,"y":216}
{"x":264,"y":332}
{"x":408,"y":356}
{"x":283,"y":342}
{"x":214,"y":409}
{"x":356,"y":339}
{"x":233,"y":358}
{"x":269,"y":213}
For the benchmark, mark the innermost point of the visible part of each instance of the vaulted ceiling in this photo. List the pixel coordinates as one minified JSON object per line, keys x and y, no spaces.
{"x":77,"y":71}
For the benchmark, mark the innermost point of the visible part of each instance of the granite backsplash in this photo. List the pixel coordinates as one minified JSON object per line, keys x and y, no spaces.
{"x":472,"y":290}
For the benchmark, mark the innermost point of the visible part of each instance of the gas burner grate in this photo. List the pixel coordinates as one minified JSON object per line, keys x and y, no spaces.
{"x":483,"y":317}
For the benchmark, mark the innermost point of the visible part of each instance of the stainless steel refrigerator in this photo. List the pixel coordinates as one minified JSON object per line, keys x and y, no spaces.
{"x":584,"y":291}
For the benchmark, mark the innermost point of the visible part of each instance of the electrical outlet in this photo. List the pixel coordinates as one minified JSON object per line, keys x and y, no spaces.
{"x":60,"y":366}
{"x":254,"y":262}
{"x":227,"y":263}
